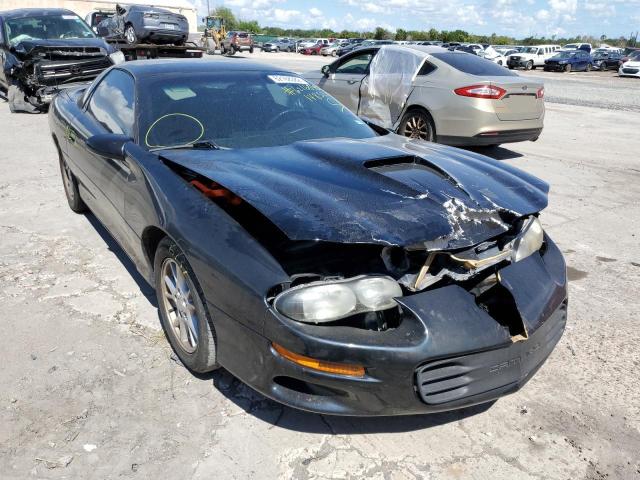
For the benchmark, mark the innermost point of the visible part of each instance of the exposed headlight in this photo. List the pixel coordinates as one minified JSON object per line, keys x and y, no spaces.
{"x":117,"y":57}
{"x":529,"y":241}
{"x":322,"y":302}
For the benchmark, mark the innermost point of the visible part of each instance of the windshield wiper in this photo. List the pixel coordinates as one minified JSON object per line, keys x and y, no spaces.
{"x":200,"y":144}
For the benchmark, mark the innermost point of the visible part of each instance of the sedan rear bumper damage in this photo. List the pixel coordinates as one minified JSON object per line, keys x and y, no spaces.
{"x":452,"y":348}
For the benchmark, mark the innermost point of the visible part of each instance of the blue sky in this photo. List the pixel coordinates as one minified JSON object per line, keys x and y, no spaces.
{"x":518,"y":18}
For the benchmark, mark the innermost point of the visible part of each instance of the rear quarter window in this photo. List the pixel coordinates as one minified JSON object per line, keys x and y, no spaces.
{"x":473,"y":65}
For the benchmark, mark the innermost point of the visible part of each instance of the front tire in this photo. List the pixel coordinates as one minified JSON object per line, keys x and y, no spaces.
{"x":251,"y":50}
{"x":183,"y":311}
{"x":130,"y":34}
{"x":567,"y":68}
{"x":18,"y":101}
{"x":71,"y":190}
{"x":529,"y":65}
{"x":416,"y":124}
{"x":588,"y":69}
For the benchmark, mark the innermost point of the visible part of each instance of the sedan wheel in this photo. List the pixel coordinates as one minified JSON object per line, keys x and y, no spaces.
{"x":130,"y":35}
{"x":71,"y":187}
{"x":588,"y":69}
{"x":567,"y":67}
{"x":417,"y":125}
{"x":185,"y":318}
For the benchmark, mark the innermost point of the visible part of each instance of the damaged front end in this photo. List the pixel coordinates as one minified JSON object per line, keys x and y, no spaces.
{"x":40,"y":71}
{"x":417,"y":283}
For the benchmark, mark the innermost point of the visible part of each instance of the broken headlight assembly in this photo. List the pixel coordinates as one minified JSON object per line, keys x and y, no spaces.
{"x":328,"y":301}
{"x":529,"y":241}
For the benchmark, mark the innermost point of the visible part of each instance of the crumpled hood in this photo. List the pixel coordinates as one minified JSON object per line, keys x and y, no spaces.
{"x":384,"y":190}
{"x":26,"y":48}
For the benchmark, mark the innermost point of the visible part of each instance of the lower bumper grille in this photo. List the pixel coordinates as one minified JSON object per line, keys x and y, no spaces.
{"x":452,"y":379}
{"x":631,"y":71}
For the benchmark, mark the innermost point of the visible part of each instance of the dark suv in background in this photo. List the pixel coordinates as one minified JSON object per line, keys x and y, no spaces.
{"x":45,"y":50}
{"x":237,"y":42}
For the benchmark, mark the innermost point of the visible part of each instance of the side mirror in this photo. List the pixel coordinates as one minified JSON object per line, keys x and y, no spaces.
{"x":109,"y":145}
{"x":325,"y":70}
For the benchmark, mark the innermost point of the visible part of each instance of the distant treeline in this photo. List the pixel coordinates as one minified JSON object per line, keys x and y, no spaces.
{"x":443,"y":35}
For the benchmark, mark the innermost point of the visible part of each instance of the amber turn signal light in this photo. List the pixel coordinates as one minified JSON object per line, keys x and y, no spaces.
{"x":321,"y":366}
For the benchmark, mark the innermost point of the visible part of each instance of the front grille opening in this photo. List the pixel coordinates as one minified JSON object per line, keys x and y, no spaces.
{"x":307,"y":388}
{"x":498,"y":302}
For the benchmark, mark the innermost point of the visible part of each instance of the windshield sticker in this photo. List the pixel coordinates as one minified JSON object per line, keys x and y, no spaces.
{"x":286,"y":79}
{"x":69,"y":17}
{"x":179,"y":93}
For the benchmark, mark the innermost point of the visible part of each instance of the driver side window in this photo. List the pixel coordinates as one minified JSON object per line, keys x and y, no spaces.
{"x":112,"y":103}
{"x":356,"y":65}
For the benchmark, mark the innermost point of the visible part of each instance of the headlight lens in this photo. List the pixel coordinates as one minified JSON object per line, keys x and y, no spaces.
{"x":322,"y":302}
{"x":530,"y":241}
{"x":117,"y":57}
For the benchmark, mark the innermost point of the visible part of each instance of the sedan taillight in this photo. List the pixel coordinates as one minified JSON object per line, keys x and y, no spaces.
{"x":481,"y":91}
{"x":540,"y":93}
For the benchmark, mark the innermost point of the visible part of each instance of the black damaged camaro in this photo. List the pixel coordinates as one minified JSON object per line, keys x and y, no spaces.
{"x":332,"y":266}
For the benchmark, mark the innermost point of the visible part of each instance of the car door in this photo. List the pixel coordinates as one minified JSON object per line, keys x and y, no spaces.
{"x":346,"y":77}
{"x":108,"y":109}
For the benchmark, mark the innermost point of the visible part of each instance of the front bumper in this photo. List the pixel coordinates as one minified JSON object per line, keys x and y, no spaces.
{"x":555,"y":67}
{"x":446,"y":354}
{"x":629,"y":72}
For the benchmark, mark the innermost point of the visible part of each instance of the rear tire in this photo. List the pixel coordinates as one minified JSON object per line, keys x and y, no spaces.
{"x":130,"y":34}
{"x":251,"y":50}
{"x":588,"y":69}
{"x":191,"y":335}
{"x":417,"y":124}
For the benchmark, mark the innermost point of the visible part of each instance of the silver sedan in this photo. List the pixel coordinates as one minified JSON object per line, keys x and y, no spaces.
{"x":433,"y":94}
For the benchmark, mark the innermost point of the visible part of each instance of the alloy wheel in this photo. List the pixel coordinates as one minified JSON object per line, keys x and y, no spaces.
{"x":178,"y":302}
{"x":67,"y":179}
{"x":130,"y":34}
{"x":417,"y":127}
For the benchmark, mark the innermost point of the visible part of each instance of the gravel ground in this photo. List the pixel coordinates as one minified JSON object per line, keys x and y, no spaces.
{"x":90,"y":388}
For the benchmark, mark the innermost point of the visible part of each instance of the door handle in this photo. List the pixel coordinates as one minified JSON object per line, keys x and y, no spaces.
{"x":351,"y":82}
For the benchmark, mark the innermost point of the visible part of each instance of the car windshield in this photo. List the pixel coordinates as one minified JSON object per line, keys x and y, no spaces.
{"x":46,"y":27}
{"x":473,"y":64}
{"x":565,"y":55}
{"x":240,"y":110}
{"x":530,"y":50}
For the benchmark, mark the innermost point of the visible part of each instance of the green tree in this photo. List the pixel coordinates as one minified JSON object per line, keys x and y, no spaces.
{"x":381,"y":33}
{"x":228,"y":16}
{"x":401,"y":34}
{"x":251,"y":26}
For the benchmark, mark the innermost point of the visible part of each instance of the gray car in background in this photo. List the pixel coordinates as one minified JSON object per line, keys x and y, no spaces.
{"x":145,"y":23}
{"x":433,"y":94}
{"x":280,"y":45}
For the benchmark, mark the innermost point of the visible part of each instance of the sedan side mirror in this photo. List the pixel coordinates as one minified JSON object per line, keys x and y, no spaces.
{"x":109,"y":145}
{"x":326,"y":70}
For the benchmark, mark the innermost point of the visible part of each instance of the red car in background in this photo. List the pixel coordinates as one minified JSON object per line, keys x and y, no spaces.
{"x":314,"y":49}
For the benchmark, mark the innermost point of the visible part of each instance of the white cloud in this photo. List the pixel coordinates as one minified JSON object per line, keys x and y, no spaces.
{"x":315,"y":12}
{"x":543,"y":15}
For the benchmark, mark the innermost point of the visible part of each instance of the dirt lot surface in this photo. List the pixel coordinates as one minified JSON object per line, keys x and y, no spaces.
{"x":91,"y":390}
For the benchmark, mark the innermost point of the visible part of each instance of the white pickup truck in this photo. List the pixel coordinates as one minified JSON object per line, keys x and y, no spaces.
{"x":532,"y":57}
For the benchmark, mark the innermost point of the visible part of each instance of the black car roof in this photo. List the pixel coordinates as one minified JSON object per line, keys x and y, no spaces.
{"x":143,"y":68}
{"x":35,"y":12}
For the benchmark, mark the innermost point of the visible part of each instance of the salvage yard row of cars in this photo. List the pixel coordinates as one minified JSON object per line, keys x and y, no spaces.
{"x":306,"y":232}
{"x":571,"y":57}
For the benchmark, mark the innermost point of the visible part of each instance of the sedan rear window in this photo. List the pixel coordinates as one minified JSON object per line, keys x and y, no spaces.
{"x":473,"y":65}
